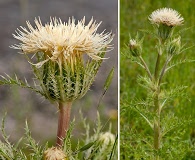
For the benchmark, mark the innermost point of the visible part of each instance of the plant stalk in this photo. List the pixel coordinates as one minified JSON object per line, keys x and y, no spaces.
{"x":157,"y":124}
{"x":157,"y":129}
{"x":63,"y":122}
{"x":146,"y":67}
{"x":157,"y":109}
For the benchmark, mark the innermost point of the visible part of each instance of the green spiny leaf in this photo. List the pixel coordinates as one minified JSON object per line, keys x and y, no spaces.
{"x":109,"y":79}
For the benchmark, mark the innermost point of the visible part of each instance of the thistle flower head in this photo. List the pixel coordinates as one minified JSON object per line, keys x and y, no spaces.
{"x":166,"y":16}
{"x":104,"y":145}
{"x":106,"y":141}
{"x":54,"y":154}
{"x":135,"y":47}
{"x":63,"y":72}
{"x":60,"y":41}
{"x":165,"y":19}
{"x":107,"y":138}
{"x":174,"y":46}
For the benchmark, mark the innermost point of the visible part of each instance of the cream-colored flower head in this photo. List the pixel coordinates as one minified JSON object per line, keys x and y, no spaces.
{"x":60,"y":41}
{"x":107,"y":138}
{"x":64,"y":73}
{"x":166,"y":16}
{"x":54,"y":154}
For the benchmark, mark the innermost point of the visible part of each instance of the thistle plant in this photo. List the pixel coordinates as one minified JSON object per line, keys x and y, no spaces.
{"x":67,"y":57}
{"x":63,"y":73}
{"x":154,"y":107}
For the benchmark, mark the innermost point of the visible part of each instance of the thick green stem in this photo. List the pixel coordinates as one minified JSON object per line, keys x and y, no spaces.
{"x":157,"y":109}
{"x":63,"y":122}
{"x":157,"y":123}
{"x":157,"y":129}
{"x":156,"y":135}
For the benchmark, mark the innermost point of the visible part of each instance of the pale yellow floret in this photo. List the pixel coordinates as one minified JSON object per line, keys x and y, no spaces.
{"x":61,"y":41}
{"x":166,"y":16}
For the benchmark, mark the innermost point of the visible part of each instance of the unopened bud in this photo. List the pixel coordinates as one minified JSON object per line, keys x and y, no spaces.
{"x":135,"y":48}
{"x":174,"y":46}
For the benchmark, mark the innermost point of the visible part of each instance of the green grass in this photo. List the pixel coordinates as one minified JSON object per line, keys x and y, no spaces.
{"x":133,"y":17}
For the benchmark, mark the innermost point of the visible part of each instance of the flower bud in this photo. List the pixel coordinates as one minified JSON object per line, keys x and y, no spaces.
{"x":174,"y":46}
{"x":107,"y":139}
{"x":135,"y":47}
{"x":54,"y":154}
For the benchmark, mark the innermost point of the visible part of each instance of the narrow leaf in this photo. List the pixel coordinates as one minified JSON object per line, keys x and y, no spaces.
{"x":109,"y":79}
{"x":87,"y":146}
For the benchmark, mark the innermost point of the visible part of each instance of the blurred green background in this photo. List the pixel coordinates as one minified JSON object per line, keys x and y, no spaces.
{"x":21,"y":104}
{"x":134,"y":16}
